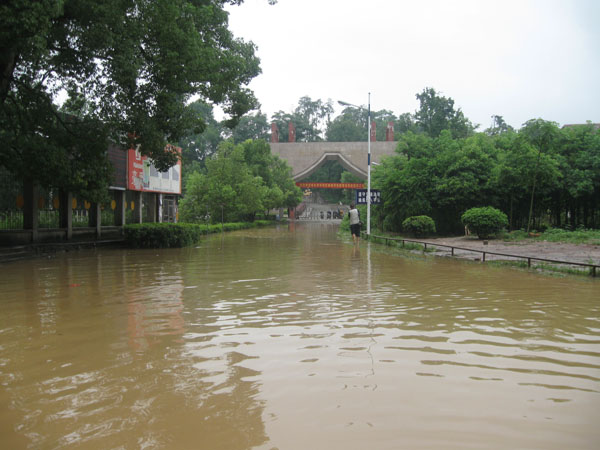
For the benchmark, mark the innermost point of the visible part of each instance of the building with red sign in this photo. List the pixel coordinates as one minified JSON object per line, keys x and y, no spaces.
{"x":141,"y":190}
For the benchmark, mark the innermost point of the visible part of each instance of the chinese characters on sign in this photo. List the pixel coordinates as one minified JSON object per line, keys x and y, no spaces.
{"x":361,"y":197}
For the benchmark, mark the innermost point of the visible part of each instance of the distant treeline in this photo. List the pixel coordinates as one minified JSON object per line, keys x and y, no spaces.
{"x":540,"y":175}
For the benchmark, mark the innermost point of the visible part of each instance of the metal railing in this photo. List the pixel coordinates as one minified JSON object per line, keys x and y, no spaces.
{"x":592,"y":267}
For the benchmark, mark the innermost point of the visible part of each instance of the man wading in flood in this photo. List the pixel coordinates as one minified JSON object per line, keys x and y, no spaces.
{"x":354,"y":223}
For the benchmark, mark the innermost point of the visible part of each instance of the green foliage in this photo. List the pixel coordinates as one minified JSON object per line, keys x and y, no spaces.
{"x":436,"y":114}
{"x":485,"y":222}
{"x":345,"y":224}
{"x":251,"y":126}
{"x":310,"y":118}
{"x":159,"y":235}
{"x":202,"y":141}
{"x":127,"y":66}
{"x":239,"y":182}
{"x":441,"y":177}
{"x":351,"y":125}
{"x":499,"y":126}
{"x":164,"y":235}
{"x":419,"y":225}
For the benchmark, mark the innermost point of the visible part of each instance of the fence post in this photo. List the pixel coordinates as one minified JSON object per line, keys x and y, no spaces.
{"x":30,"y":208}
{"x":95,"y":219}
{"x":137,"y":212}
{"x":65,"y":213}
{"x":120,"y":207}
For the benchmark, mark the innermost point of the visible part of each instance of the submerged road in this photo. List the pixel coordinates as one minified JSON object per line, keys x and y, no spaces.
{"x":293,"y":338}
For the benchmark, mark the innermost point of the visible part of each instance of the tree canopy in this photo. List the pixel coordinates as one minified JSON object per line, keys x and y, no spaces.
{"x":129,"y":67}
{"x":310,"y":118}
{"x":436,"y":113}
{"x":540,"y":174}
{"x":239,"y":182}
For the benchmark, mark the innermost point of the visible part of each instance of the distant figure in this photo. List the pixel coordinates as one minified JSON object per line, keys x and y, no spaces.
{"x":354,"y":223}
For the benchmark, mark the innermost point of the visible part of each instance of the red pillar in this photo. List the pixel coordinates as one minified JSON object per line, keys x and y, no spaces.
{"x":291,"y":132}
{"x":389,"y":133}
{"x":274,"y":133}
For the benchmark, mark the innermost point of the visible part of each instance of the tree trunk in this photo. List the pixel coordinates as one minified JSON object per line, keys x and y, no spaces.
{"x":510,"y":224}
{"x":537,"y":165}
{"x":531,"y":204}
{"x":8,"y":62}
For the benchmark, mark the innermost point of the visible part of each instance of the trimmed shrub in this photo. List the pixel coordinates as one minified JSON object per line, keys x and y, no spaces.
{"x":486,"y":222}
{"x":419,"y":225}
{"x":161,"y":235}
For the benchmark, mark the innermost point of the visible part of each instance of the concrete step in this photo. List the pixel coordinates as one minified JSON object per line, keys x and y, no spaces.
{"x":8,"y":254}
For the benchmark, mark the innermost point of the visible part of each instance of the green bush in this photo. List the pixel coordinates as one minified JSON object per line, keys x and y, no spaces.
{"x":419,"y":225}
{"x":160,"y":235}
{"x":486,"y":222}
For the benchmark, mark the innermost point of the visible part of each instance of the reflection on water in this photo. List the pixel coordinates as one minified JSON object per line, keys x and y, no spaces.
{"x":292,"y":339}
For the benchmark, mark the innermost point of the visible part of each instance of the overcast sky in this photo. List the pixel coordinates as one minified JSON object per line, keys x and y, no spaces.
{"x":520,"y":59}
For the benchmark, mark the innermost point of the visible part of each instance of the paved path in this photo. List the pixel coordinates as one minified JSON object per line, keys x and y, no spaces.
{"x":581,"y":253}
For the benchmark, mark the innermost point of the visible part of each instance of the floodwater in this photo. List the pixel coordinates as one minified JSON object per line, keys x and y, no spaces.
{"x":292,"y":338}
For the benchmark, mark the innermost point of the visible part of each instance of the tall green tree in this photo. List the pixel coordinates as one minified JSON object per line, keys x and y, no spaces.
{"x":351,"y":124}
{"x":251,"y":126}
{"x":542,"y":135}
{"x":578,"y":199}
{"x":513,"y":175}
{"x":499,"y":126}
{"x":239,"y":182}
{"x":406,"y":122}
{"x":228,"y":191}
{"x":136,"y":63}
{"x":436,"y":113}
{"x":274,"y":172}
{"x":310,"y":118}
{"x":439,"y":177}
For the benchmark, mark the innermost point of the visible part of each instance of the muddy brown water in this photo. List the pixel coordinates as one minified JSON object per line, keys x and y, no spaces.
{"x":291,"y":338}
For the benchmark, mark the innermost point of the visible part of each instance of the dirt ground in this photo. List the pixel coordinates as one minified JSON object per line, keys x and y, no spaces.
{"x":580,"y":253}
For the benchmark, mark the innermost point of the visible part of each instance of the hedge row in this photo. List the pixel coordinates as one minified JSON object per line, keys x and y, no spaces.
{"x":160,"y":235}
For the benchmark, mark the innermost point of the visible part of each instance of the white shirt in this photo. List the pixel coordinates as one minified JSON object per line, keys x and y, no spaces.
{"x":354,"y":217}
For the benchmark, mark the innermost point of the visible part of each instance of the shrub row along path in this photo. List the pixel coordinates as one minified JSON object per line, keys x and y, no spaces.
{"x":579,"y":253}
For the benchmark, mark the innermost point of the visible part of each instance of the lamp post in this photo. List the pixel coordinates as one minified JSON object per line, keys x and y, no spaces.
{"x":368,"y":158}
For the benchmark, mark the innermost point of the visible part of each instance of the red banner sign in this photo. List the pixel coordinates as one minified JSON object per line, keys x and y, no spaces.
{"x":143,"y":176}
{"x":331,"y":185}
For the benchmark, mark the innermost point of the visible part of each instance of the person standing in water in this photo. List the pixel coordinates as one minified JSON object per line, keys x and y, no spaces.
{"x":354,"y":223}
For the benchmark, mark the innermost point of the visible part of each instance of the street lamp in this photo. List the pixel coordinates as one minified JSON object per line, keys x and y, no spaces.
{"x":368,"y":158}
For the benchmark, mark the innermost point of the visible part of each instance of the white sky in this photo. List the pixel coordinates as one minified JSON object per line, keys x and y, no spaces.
{"x":521,"y":59}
